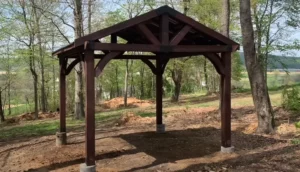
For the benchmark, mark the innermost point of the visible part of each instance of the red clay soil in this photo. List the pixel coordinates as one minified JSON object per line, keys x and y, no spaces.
{"x":191,"y":143}
{"x":131,"y":102}
{"x":30,"y":116}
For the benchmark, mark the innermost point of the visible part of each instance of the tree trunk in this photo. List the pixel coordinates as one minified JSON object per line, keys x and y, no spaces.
{"x":131,"y":85}
{"x":90,"y":16}
{"x":206,"y":76}
{"x":39,"y":37}
{"x":177,"y":78}
{"x":126,"y":84}
{"x":255,"y":71}
{"x":79,"y":105}
{"x":142,"y":81}
{"x":153,"y":86}
{"x":2,"y":118}
{"x":35,"y":88}
{"x":117,"y":82}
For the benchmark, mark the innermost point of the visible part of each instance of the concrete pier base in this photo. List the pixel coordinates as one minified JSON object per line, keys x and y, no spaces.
{"x":61,"y":138}
{"x":227,"y":150}
{"x":160,"y":128}
{"x":85,"y":168}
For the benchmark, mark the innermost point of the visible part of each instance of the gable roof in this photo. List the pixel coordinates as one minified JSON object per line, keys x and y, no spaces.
{"x":128,"y":30}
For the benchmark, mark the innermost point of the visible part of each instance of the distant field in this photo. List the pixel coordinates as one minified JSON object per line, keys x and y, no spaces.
{"x":275,"y":79}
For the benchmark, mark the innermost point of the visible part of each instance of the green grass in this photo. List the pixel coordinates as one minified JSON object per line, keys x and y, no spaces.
{"x":146,"y":114}
{"x":29,"y":130}
{"x":24,"y":108}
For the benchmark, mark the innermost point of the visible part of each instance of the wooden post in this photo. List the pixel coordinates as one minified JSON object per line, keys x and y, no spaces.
{"x":62,"y":90}
{"x":226,"y":105}
{"x":90,"y":108}
{"x":61,"y":136}
{"x":160,"y":128}
{"x":158,"y":92}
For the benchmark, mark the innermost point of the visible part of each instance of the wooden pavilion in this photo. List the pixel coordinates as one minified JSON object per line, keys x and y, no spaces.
{"x":163,"y":33}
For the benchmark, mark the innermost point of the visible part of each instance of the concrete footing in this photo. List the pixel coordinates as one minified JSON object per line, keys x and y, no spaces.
{"x":160,"y":128}
{"x":85,"y":168}
{"x":227,"y":149}
{"x":61,"y":138}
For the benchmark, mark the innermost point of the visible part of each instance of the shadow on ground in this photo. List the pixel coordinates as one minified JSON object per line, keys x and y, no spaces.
{"x":173,"y":146}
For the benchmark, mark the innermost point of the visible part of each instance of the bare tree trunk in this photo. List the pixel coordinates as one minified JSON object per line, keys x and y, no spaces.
{"x":142,"y":81}
{"x":131,"y":85}
{"x":206,"y":76}
{"x":153,"y":86}
{"x":126,"y":83}
{"x":117,"y":82}
{"x":177,"y":78}
{"x":90,"y":16}
{"x":9,"y":79}
{"x":255,"y":71}
{"x":35,"y":84}
{"x":39,"y":37}
{"x":2,"y":118}
{"x":8,"y":96}
{"x":79,"y":103}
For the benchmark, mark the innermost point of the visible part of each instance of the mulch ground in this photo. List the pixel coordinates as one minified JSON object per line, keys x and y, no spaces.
{"x":191,"y":143}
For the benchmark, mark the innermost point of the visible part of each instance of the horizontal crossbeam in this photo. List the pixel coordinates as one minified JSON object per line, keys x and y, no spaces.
{"x":163,"y":48}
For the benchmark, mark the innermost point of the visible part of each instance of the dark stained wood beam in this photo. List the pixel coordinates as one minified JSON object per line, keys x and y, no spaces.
{"x":72,"y":65}
{"x":118,"y":27}
{"x":150,"y":65}
{"x":226,"y":102}
{"x":62,"y":95}
{"x":201,"y":48}
{"x":180,"y":35}
{"x":63,"y":49}
{"x":163,"y":49}
{"x":113,"y":38}
{"x":69,"y":51}
{"x":159,"y":93}
{"x":102,"y":63}
{"x":200,"y":27}
{"x":150,"y":57}
{"x":89,"y":108}
{"x":216,"y":61}
{"x":164,"y":32}
{"x":148,"y":34}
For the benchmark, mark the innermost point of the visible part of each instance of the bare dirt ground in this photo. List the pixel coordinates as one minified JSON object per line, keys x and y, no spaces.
{"x":191,"y":143}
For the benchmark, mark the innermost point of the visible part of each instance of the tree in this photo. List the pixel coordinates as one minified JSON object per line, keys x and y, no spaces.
{"x":79,"y":105}
{"x":177,"y":65}
{"x":255,"y":71}
{"x":41,"y":60}
{"x":132,"y":9}
{"x":274,"y":22}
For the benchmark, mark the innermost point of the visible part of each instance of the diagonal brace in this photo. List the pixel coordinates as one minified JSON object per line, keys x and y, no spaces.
{"x":102,"y":63}
{"x":150,"y":65}
{"x":216,"y":61}
{"x":148,"y":34}
{"x":180,"y":35}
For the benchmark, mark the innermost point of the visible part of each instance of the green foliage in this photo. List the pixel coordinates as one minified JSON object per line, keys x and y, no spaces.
{"x":297,"y":124}
{"x":291,"y":99}
{"x":237,"y":67}
{"x":295,"y":141}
